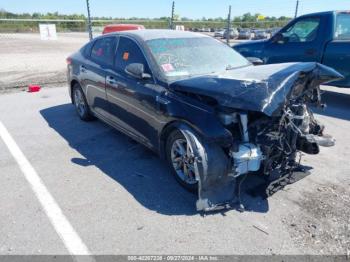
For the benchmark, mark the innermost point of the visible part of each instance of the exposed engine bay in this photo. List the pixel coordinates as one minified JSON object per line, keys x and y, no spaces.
{"x":269,"y":133}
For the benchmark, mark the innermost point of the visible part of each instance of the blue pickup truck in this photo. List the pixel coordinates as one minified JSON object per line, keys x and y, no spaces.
{"x":319,"y":37}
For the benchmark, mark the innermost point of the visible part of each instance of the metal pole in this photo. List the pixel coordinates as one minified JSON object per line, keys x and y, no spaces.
{"x":172,"y":16}
{"x":228,"y":33}
{"x":296,"y":9}
{"x":89,"y":19}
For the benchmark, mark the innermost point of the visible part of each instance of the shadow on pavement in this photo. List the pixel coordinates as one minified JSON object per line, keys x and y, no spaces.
{"x":130,"y":164}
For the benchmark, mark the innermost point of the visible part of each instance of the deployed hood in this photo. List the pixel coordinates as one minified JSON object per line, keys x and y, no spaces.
{"x":263,"y":88}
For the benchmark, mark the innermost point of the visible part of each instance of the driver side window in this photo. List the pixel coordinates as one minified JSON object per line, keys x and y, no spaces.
{"x":129,"y":52}
{"x":304,"y":30}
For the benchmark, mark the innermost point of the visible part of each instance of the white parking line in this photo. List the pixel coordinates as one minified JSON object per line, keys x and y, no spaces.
{"x":64,"y":229}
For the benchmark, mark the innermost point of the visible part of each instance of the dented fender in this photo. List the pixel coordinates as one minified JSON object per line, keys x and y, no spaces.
{"x":216,"y":188}
{"x":262,"y":89}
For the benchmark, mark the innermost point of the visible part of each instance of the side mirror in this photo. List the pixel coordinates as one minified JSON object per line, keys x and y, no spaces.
{"x":137,"y":70}
{"x":255,"y":61}
{"x":278,"y":38}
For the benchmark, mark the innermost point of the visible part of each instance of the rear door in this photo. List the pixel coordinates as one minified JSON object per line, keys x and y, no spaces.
{"x":301,"y":41}
{"x":337,"y":52}
{"x":94,"y":73}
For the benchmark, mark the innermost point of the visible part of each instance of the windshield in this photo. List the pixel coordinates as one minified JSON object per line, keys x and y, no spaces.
{"x":185,"y":57}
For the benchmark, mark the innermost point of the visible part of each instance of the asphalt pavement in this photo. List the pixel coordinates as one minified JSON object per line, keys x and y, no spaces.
{"x":116,"y":197}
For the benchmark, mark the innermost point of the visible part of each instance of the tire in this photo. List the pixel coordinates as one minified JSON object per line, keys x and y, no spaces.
{"x":81,"y":106}
{"x":187,"y":181}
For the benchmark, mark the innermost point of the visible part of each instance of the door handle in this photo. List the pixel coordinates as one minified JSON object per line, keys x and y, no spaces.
{"x":111,"y":80}
{"x":83,"y":69}
{"x":310,"y":51}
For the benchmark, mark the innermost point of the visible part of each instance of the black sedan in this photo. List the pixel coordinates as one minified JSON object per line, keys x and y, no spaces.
{"x":201,"y":106}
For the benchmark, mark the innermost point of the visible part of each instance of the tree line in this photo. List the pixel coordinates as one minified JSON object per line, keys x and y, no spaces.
{"x":246,"y":20}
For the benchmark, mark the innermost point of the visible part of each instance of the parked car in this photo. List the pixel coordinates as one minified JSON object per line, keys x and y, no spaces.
{"x":260,"y":34}
{"x":274,"y":31}
{"x":219,"y":33}
{"x":201,"y":106}
{"x":245,"y":34}
{"x":233,"y":33}
{"x":121,"y":27}
{"x":319,"y":37}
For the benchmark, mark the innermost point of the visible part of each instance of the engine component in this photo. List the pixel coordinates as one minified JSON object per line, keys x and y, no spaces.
{"x":228,"y":119}
{"x":325,"y":140}
{"x":247,"y":159}
{"x":244,"y":122}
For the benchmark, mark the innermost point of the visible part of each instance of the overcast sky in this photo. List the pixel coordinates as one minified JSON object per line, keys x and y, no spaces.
{"x":185,"y":8}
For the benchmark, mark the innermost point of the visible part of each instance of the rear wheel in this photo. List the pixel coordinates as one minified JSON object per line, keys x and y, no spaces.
{"x":80,"y":104}
{"x":181,"y":162}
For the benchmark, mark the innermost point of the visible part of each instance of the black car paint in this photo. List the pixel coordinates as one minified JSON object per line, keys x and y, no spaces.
{"x":146,"y":109}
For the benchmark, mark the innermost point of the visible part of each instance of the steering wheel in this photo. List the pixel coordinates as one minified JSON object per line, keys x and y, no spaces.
{"x":294,"y":38}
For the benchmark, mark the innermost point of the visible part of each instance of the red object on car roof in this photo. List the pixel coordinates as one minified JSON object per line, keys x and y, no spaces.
{"x":121,"y":27}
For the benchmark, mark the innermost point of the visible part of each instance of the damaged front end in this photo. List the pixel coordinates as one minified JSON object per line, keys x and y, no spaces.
{"x":267,"y":112}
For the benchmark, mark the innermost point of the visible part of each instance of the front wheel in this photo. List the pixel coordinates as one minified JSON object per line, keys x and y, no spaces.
{"x":80,"y":104}
{"x":180,"y":160}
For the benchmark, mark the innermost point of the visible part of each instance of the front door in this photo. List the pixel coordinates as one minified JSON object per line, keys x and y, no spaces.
{"x":132,"y":100}
{"x":298,"y":42}
{"x":337,"y":52}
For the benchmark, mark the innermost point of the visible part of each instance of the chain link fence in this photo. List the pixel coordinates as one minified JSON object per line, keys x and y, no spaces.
{"x":29,"y":60}
{"x":65,"y":25}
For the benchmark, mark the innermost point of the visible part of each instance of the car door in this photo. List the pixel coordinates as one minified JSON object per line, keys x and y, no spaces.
{"x":132,"y":100}
{"x":94,"y":73}
{"x":301,"y":41}
{"x":337,"y":51}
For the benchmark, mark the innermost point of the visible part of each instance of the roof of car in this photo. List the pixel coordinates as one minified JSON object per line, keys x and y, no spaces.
{"x":150,"y":34}
{"x":123,"y":25}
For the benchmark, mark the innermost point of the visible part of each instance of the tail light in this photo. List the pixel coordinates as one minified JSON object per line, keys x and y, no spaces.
{"x":69,"y":60}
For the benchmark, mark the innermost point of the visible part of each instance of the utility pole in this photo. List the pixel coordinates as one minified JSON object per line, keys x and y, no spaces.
{"x":228,"y":32}
{"x":296,"y":9}
{"x":172,"y":16}
{"x":89,"y":19}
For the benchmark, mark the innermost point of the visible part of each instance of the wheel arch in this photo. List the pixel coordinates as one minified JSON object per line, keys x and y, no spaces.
{"x":167,"y":130}
{"x":203,"y":134}
{"x":73,"y":82}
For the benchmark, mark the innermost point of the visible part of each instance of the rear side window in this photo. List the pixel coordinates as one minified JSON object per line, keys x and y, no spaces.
{"x":342,"y":30}
{"x":129,"y":52}
{"x":103,"y":51}
{"x":86,"y":49}
{"x":305,"y":30}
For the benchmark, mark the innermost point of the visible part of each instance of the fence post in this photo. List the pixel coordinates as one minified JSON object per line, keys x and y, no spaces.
{"x":228,"y":32}
{"x":296,"y":9}
{"x":172,"y":16}
{"x":89,"y":19}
